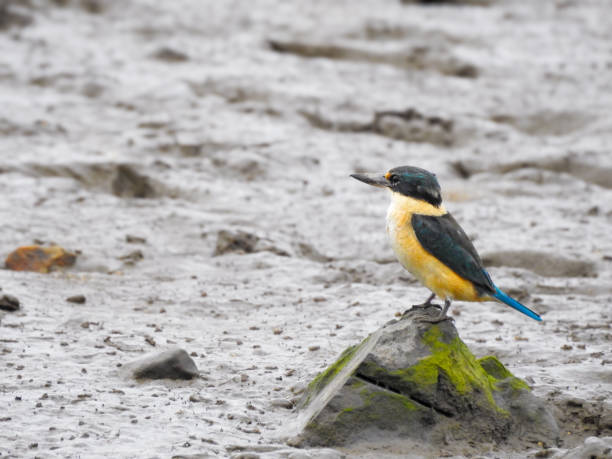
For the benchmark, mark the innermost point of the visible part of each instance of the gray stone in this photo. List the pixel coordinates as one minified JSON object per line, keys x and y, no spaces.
{"x":417,"y":381}
{"x":172,"y":364}
{"x":9,"y":303}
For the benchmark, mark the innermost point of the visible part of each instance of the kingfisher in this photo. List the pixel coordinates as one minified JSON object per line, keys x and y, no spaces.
{"x":431,"y":245}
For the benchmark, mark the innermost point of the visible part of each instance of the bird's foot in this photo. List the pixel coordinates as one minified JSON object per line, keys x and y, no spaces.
{"x":435,"y":320}
{"x":425,"y":306}
{"x":422,"y":306}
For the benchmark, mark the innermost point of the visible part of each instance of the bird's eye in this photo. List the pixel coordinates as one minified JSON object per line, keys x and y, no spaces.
{"x":394,"y":180}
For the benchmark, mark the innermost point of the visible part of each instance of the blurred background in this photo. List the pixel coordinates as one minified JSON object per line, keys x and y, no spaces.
{"x":194,"y":156}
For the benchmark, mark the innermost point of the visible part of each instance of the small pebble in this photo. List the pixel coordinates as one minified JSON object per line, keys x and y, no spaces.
{"x":9,"y":303}
{"x":172,"y":364}
{"x":78,"y":299}
{"x":281,"y":403}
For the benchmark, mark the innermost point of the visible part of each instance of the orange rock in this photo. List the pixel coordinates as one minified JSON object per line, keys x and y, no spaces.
{"x":39,"y":259}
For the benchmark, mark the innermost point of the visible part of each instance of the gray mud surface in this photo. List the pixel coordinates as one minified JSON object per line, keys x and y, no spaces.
{"x":196,"y":155}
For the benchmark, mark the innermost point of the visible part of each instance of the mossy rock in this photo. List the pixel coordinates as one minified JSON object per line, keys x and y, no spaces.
{"x":361,"y":407}
{"x":416,"y":380}
{"x":323,"y":378}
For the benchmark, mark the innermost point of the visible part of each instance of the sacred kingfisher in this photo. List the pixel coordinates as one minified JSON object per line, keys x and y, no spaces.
{"x":431,"y":245}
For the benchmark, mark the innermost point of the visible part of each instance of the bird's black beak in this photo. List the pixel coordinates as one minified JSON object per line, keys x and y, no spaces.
{"x":373,"y":179}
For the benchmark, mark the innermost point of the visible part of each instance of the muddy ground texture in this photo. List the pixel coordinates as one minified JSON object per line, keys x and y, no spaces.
{"x":196,"y":157}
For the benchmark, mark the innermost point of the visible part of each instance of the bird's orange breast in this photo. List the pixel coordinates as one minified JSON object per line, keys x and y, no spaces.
{"x":430,"y":271}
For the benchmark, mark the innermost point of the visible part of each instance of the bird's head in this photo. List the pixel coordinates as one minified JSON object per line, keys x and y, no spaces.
{"x":407,"y":180}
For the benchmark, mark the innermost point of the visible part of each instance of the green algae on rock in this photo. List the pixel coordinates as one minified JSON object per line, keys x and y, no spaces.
{"x":321,"y":380}
{"x":418,"y":381}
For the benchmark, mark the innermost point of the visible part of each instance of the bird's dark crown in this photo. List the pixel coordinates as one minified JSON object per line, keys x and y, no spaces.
{"x":416,"y":183}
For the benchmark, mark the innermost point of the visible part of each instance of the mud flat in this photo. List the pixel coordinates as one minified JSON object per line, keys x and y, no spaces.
{"x":195,"y":157}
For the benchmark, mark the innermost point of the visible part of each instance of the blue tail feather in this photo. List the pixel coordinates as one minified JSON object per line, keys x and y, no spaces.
{"x":501,"y":296}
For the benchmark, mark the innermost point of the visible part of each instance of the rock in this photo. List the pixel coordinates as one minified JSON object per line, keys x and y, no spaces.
{"x":9,"y":303}
{"x":39,"y":259}
{"x":413,"y":381}
{"x":78,"y":299}
{"x":281,"y":403}
{"x":172,"y":364}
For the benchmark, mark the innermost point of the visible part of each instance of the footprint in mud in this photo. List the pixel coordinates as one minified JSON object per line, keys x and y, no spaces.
{"x":546,"y":123}
{"x":236,"y":242}
{"x":381,"y":30}
{"x":122,"y":180}
{"x":129,"y":183}
{"x":586,"y":417}
{"x":408,"y":125}
{"x":232,"y":92}
{"x":247,"y":165}
{"x":541,"y":263}
{"x":419,"y":57}
{"x":243,"y":242}
{"x":575,"y":164}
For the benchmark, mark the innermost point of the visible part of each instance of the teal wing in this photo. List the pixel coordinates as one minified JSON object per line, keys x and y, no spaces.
{"x":443,"y":238}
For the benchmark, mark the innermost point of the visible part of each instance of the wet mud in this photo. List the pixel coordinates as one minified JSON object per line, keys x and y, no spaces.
{"x":196,"y":157}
